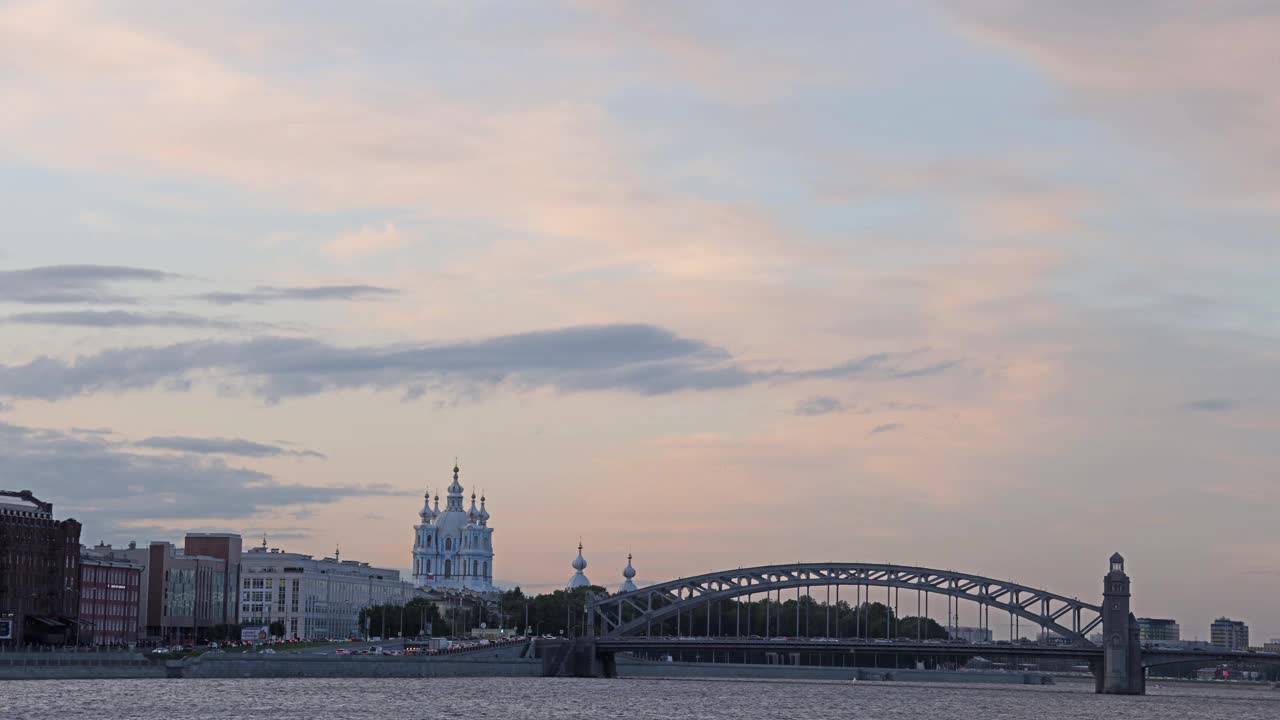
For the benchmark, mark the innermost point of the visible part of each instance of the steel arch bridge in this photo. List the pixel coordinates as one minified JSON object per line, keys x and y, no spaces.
{"x":633,"y":613}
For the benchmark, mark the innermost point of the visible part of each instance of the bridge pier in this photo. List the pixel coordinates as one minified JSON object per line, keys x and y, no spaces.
{"x":578,"y":658}
{"x":1121,"y":671}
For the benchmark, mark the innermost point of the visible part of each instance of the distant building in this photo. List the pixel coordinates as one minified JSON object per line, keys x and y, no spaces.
{"x":1273,"y":645}
{"x":226,"y":547}
{"x":1229,"y":633}
{"x":110,"y":598}
{"x":971,"y":634}
{"x":453,"y":549}
{"x":39,"y":572}
{"x":1158,"y":630}
{"x":184,"y":593}
{"x":314,"y":599}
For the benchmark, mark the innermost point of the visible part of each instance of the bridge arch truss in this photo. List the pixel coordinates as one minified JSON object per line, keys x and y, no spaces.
{"x":634,"y":613}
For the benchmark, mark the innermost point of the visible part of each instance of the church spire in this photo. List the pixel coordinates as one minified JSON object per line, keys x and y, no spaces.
{"x":455,"y":492}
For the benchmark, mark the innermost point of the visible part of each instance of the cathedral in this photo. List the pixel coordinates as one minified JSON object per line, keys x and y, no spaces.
{"x":453,"y":549}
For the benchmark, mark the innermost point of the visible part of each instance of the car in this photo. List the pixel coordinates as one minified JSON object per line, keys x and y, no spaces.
{"x":160,"y":651}
{"x":267,"y":651}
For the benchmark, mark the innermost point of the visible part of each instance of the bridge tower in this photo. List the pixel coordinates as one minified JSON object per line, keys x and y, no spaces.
{"x":1122,"y":671}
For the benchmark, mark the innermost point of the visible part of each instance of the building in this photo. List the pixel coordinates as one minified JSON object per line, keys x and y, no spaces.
{"x":453,"y":549}
{"x":39,"y":572}
{"x":578,"y":580}
{"x":1158,"y":630}
{"x":110,"y":598}
{"x":185,"y":594}
{"x":1272,"y":645}
{"x":227,"y":548}
{"x":628,"y":575}
{"x":971,"y":634}
{"x":314,"y":599}
{"x":1228,"y":633}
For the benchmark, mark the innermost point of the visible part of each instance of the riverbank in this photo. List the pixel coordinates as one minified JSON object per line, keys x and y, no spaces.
{"x":633,"y":668}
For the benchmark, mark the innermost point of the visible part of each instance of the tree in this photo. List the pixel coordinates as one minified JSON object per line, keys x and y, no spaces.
{"x":409,"y":620}
{"x":511,"y":605}
{"x":276,"y":628}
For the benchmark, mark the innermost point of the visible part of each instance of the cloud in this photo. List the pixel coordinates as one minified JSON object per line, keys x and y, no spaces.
{"x":1210,"y":405}
{"x":887,"y":427}
{"x":819,"y":405}
{"x":222,"y":446}
{"x":61,"y":284}
{"x":118,"y":319}
{"x":641,"y":359}
{"x":274,"y":533}
{"x":1189,"y":85}
{"x":106,"y":486}
{"x":265,"y":294}
{"x":366,"y":241}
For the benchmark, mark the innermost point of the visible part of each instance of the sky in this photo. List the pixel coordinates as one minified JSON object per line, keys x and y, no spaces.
{"x":984,"y":285}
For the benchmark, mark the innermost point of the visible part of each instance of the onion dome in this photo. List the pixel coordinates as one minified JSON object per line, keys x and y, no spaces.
{"x":579,"y":580}
{"x":473,"y":514}
{"x":628,"y":574}
{"x":484,"y":514}
{"x":425,"y":513}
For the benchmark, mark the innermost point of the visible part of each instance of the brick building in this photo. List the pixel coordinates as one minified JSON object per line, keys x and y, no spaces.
{"x":110,"y":598}
{"x":39,"y":572}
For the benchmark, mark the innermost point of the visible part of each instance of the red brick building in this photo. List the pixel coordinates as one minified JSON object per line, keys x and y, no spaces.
{"x":110,"y":598}
{"x":39,"y":572}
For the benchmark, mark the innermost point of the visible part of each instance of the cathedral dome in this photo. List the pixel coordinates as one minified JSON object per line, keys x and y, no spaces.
{"x":579,"y":564}
{"x":627,"y":574}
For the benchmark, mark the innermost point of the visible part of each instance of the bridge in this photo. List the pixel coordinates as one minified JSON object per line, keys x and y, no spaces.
{"x":642,"y":620}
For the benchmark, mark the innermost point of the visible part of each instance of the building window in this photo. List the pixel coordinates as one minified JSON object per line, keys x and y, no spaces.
{"x":448,"y":566}
{"x":484,"y":568}
{"x":428,"y":540}
{"x":448,"y":543}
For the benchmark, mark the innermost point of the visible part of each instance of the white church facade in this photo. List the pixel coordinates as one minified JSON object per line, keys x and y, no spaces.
{"x":453,"y":548}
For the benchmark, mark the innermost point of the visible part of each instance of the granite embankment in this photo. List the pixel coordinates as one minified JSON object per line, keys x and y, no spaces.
{"x":515,"y":660}
{"x":77,"y":665}
{"x":631,"y":667}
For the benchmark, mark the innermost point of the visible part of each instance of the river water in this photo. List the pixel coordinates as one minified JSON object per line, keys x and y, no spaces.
{"x":632,"y":698}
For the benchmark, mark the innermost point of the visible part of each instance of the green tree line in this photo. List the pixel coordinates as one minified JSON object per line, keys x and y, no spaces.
{"x":562,"y":611}
{"x":411,"y":619}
